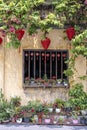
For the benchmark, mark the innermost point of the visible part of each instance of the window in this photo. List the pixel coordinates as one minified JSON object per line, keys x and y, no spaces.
{"x":51,"y":63}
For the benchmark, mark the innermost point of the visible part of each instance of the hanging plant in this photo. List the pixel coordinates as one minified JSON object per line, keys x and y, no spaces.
{"x":70,"y":32}
{"x":1,"y":40}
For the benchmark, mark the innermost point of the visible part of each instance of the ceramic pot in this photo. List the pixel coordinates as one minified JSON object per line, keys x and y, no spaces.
{"x":19,"y":120}
{"x":47,"y":120}
{"x":57,"y":110}
{"x":50,"y":110}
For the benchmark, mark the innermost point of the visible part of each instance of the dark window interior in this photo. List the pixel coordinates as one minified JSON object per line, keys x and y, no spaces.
{"x":49,"y":62}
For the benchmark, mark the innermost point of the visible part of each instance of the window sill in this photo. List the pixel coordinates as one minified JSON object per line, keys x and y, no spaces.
{"x":45,"y":86}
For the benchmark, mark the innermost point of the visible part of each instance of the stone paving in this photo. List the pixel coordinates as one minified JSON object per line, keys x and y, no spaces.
{"x":40,"y":127}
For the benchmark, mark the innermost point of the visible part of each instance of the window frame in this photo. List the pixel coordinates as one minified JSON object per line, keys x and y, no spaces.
{"x":49,"y":50}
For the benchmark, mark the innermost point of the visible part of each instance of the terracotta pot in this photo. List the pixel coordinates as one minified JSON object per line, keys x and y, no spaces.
{"x":70,"y":33}
{"x":19,"y":33}
{"x":13,"y":119}
{"x":45,"y":43}
{"x":1,"y":40}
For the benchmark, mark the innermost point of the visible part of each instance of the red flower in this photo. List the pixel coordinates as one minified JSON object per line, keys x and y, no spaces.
{"x":32,"y":110}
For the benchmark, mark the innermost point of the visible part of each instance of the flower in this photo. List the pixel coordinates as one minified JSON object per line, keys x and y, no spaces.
{"x":32,"y":110}
{"x":12,"y":29}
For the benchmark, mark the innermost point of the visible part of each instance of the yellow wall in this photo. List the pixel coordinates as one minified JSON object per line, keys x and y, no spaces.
{"x":11,"y":67}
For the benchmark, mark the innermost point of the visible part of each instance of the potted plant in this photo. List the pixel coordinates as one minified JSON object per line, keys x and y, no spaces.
{"x":4,"y":105}
{"x":15,"y":101}
{"x":68,"y":106}
{"x":36,"y":108}
{"x":83,"y":120}
{"x":75,"y":120}
{"x":59,"y":104}
{"x":32,"y":81}
{"x":65,"y":83}
{"x":50,"y":107}
{"x":47,"y":119}
{"x":26,"y":80}
{"x":45,"y":79}
{"x":59,"y":81}
{"x":61,"y":120}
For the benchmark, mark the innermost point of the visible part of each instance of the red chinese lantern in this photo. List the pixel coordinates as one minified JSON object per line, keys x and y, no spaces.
{"x":45,"y":43}
{"x":1,"y":40}
{"x":19,"y":33}
{"x":70,"y":33}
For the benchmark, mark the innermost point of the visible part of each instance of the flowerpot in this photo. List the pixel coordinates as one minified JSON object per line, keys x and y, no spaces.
{"x":1,"y":40}
{"x":19,"y":33}
{"x":36,"y":118}
{"x":83,"y":112}
{"x":6,"y":121}
{"x":19,"y":120}
{"x":47,"y":120}
{"x":13,"y":119}
{"x":75,"y":121}
{"x":46,"y":83}
{"x":50,"y":110}
{"x":26,"y":119}
{"x":68,"y":109}
{"x":55,"y":120}
{"x":57,"y":110}
{"x":83,"y":120}
{"x":65,"y":84}
{"x":39,"y":120}
{"x":45,"y":43}
{"x":70,"y":33}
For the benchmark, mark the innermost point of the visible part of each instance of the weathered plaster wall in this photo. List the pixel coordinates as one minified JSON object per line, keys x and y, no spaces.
{"x":11,"y":64}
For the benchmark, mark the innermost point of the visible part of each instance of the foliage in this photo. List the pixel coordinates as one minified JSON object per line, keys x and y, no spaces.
{"x":74,"y":114}
{"x":35,"y":106}
{"x":79,"y":44}
{"x":15,"y":101}
{"x":78,"y":98}
{"x":3,"y":107}
{"x":45,"y":78}
{"x":25,"y":14}
{"x":59,"y":102}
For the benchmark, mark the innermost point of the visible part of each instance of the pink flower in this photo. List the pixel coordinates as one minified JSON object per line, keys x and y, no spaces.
{"x":85,"y":2}
{"x":12,"y":29}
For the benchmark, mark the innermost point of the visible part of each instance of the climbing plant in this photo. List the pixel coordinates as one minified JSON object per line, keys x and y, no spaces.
{"x":26,"y":15}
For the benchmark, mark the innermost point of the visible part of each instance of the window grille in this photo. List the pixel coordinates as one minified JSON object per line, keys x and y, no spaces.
{"x":51,"y":63}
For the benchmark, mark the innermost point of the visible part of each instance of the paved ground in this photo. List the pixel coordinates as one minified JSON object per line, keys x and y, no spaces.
{"x":40,"y":127}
